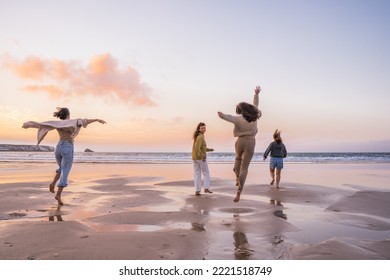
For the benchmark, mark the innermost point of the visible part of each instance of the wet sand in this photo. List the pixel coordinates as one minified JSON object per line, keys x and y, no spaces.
{"x":150,"y":212}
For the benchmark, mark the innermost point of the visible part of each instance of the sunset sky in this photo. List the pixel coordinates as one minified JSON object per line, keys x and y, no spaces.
{"x":154,"y":69}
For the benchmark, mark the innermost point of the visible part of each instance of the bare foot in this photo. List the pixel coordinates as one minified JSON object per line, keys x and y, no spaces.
{"x":51,"y":188}
{"x":237,"y":198}
{"x":59,"y":200}
{"x":272,"y":182}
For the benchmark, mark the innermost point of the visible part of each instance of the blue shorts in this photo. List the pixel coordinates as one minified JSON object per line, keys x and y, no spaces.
{"x":276,"y":163}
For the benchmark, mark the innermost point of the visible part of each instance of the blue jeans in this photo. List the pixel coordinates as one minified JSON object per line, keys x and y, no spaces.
{"x":64,"y":156}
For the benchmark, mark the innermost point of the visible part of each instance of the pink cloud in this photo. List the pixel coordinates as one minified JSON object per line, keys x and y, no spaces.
{"x":31,"y":68}
{"x":101,"y":77}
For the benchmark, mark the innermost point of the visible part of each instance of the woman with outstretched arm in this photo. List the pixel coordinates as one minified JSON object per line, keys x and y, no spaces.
{"x":67,"y":130}
{"x":245,"y":129}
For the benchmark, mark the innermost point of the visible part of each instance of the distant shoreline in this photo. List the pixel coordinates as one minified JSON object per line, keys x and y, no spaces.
{"x":24,"y":155}
{"x":25,"y":148}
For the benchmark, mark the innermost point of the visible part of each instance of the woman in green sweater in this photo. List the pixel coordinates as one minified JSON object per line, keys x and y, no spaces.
{"x":199,"y":150}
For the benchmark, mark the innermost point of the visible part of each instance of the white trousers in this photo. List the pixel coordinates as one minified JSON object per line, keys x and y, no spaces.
{"x":200,"y":167}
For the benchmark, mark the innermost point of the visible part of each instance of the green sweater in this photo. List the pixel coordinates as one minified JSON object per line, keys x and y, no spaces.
{"x":199,"y":148}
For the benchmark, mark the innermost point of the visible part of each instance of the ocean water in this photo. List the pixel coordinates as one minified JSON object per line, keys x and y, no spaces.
{"x":177,"y":158}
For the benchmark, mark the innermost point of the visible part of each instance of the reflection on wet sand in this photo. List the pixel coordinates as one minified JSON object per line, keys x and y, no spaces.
{"x":278,"y":238}
{"x":198,"y":226}
{"x":276,"y":202}
{"x":58,"y":217}
{"x":241,"y":246}
{"x":278,"y":213}
{"x":152,"y":220}
{"x":55,"y":214}
{"x":242,"y":249}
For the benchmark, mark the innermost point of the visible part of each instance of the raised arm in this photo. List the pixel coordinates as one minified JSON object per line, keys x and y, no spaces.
{"x":228,"y":118}
{"x":256,"y":96}
{"x":95,"y":120}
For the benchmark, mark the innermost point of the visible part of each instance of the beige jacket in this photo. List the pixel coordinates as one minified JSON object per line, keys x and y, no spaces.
{"x":45,"y":127}
{"x":241,"y":126}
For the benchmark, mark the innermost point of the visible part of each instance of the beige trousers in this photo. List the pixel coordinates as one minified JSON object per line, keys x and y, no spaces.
{"x":245,"y":148}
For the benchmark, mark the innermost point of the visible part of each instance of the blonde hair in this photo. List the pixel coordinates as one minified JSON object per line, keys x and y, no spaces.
{"x":277,"y":137}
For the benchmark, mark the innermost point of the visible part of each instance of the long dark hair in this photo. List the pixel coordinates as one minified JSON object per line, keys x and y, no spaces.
{"x":61,"y":113}
{"x":197,"y":132}
{"x":248,"y":111}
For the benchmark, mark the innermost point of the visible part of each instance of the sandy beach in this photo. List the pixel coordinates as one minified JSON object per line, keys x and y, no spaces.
{"x":150,"y":212}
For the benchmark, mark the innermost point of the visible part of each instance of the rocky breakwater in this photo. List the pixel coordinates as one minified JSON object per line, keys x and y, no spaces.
{"x":25,"y":148}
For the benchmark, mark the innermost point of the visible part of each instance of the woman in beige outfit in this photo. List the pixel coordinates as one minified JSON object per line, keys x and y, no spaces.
{"x":245,"y":128}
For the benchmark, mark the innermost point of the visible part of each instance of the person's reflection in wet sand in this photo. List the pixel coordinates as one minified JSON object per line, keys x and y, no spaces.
{"x":278,"y":213}
{"x":202,"y":210}
{"x":59,"y":218}
{"x":198,"y":226}
{"x":278,"y":238}
{"x":242,"y":249}
{"x":276,"y":202}
{"x":55,"y":214}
